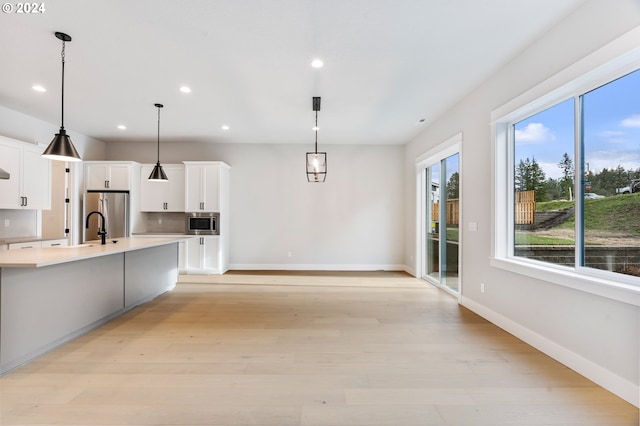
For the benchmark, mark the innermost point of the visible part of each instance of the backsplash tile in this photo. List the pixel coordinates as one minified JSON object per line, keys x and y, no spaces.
{"x":22,"y":223}
{"x":162,"y":223}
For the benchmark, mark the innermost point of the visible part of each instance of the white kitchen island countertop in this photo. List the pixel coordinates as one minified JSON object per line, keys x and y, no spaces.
{"x":38,"y":257}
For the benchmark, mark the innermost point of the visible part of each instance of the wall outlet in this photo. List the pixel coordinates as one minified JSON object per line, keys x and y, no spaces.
{"x":6,"y":222}
{"x":159,"y":221}
{"x":481,"y":287}
{"x":289,"y":254}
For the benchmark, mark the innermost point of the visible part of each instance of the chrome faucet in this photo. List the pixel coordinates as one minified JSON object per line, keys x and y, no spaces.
{"x":102,"y":232}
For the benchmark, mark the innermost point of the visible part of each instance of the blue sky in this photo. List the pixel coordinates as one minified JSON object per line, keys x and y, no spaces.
{"x":611,"y":130}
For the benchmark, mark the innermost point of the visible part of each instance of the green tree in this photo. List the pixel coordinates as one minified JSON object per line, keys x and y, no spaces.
{"x":453,"y":186}
{"x":553,"y":191}
{"x":566,"y":183}
{"x":529,"y":176}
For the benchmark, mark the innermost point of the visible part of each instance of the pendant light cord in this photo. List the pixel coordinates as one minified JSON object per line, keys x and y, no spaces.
{"x":158,"y":135}
{"x":62,"y":103}
{"x":316,"y":132}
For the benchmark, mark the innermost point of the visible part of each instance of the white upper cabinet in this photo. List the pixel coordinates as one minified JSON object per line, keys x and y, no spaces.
{"x":29,"y":185}
{"x":10,"y":188}
{"x":107,"y":175}
{"x":36,"y":179}
{"x":202,"y":185}
{"x":162,"y":196}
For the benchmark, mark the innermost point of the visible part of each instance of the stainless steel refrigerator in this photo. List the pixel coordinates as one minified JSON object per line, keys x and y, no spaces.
{"x":114,"y":205}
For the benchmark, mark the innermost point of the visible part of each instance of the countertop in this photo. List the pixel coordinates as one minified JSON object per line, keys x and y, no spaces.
{"x":38,"y":257}
{"x":161,"y":234}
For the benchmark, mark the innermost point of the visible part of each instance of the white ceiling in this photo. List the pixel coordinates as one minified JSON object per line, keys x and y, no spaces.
{"x":388,"y":63}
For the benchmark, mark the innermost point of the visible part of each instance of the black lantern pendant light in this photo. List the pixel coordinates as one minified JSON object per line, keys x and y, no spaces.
{"x":157,"y":174}
{"x":316,"y":161}
{"x":61,"y":148}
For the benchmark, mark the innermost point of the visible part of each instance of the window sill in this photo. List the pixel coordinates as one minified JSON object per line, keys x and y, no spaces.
{"x":589,"y":283}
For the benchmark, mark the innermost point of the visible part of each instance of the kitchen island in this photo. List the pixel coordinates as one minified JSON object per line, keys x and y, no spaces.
{"x":49,"y":296}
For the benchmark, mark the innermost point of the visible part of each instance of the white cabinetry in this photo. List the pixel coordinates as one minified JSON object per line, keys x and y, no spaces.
{"x":55,"y":243}
{"x":207,"y":190}
{"x":162,"y":196}
{"x":204,"y":181}
{"x":39,"y":244}
{"x":25,"y":245}
{"x":203,"y":255}
{"x":29,"y":184}
{"x":108,"y":175}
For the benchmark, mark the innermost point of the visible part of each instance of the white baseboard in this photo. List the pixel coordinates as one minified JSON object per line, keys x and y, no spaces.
{"x":313,"y":267}
{"x":409,"y":270}
{"x":592,"y":371}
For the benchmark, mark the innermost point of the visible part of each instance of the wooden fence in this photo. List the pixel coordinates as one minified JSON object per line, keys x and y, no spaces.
{"x":525,"y":207}
{"x":453,"y":212}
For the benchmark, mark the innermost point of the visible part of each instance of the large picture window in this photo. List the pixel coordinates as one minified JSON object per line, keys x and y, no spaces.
{"x":543,"y":177}
{"x":573,"y":180}
{"x":611,"y":176}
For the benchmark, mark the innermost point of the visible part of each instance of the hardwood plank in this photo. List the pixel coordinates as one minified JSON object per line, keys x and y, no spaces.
{"x":303,"y":348}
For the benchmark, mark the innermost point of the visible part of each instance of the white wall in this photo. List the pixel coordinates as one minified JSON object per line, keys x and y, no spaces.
{"x":352,"y":221}
{"x":596,"y":336}
{"x":22,"y":127}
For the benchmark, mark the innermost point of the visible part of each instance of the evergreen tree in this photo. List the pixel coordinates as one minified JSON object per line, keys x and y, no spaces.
{"x":567,"y":176}
{"x":529,"y":176}
{"x":453,"y":187}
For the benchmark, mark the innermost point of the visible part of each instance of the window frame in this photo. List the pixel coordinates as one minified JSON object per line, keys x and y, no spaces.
{"x":609,"y":63}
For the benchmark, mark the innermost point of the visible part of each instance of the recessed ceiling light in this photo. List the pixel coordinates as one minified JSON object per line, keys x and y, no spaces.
{"x":122,"y":127}
{"x":317,"y":63}
{"x":38,"y":88}
{"x":225,"y":127}
{"x":421,"y":121}
{"x":185,"y":89}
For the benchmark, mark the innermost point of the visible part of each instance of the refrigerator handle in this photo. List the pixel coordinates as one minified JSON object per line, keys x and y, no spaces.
{"x":105,"y":207}
{"x":101,"y":210}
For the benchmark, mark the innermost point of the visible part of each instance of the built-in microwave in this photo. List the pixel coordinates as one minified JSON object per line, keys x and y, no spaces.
{"x":202,"y":223}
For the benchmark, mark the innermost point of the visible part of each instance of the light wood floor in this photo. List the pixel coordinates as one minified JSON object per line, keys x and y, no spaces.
{"x":343,"y":349}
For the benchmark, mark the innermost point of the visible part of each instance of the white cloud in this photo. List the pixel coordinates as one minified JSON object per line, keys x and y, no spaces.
{"x":611,"y":133}
{"x":632,"y":121}
{"x":551,"y":170}
{"x":613,"y":136}
{"x":533,"y":133}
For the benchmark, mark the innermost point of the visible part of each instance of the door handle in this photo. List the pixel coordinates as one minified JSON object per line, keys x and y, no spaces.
{"x":26,"y":201}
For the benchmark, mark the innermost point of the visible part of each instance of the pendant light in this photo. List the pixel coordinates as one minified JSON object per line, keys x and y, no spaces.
{"x":61,"y":148}
{"x":316,"y":161}
{"x":157,"y":174}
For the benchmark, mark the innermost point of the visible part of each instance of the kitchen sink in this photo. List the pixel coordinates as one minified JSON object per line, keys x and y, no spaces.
{"x":76,"y":246}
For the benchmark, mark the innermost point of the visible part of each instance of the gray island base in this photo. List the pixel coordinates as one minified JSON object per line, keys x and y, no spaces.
{"x":50,"y":296}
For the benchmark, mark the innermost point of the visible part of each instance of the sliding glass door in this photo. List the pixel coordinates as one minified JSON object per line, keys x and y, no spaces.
{"x":441,"y":209}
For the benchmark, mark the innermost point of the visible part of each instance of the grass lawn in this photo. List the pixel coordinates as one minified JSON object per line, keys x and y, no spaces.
{"x":616,"y":214}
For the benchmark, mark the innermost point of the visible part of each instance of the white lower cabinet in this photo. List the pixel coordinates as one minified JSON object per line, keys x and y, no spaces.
{"x":39,"y":244}
{"x":55,"y":243}
{"x":25,"y":245}
{"x":202,"y":255}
